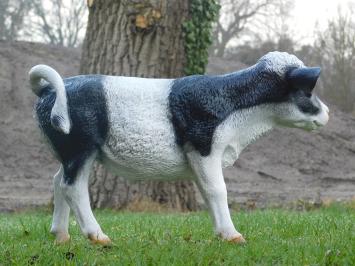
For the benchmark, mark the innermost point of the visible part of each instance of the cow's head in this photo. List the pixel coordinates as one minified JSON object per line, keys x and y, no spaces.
{"x":300,"y":107}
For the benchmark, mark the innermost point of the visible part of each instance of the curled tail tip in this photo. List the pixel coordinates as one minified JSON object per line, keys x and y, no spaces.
{"x":60,"y":123}
{"x":36,"y":72}
{"x":38,"y":68}
{"x":37,"y":76}
{"x":33,"y":70}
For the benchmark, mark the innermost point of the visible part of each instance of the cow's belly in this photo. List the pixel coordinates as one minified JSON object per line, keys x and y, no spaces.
{"x":146,"y":169}
{"x":141,"y":141}
{"x":148,"y":154}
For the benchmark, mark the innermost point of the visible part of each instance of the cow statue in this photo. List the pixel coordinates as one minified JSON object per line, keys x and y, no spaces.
{"x":166,"y":129}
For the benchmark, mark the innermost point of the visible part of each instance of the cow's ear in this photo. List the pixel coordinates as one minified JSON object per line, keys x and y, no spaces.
{"x":304,"y":78}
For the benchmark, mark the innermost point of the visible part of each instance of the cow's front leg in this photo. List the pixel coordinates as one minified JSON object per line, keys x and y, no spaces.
{"x":208,"y":170}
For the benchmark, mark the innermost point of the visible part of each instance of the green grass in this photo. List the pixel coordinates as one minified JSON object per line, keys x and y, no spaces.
{"x":275,"y":237}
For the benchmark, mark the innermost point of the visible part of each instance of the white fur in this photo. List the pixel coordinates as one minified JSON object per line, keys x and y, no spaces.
{"x":61,"y":210}
{"x":209,"y":178}
{"x":279,"y":62}
{"x":141,"y":141}
{"x":240,"y":129}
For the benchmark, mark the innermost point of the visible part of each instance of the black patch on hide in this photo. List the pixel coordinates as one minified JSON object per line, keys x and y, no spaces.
{"x":88,"y":114}
{"x":198,"y":104}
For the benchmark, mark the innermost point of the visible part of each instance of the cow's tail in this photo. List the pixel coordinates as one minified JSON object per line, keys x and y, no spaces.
{"x":40,"y":77}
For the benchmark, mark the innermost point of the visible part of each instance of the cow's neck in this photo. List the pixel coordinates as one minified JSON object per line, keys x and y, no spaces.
{"x":246,"y":125}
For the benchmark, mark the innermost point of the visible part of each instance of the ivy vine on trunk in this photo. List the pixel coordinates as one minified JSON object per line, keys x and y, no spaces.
{"x":198,"y":34}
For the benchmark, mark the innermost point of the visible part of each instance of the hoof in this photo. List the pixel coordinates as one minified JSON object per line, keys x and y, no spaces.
{"x":238,"y":240}
{"x":61,"y":239}
{"x":100,"y":240}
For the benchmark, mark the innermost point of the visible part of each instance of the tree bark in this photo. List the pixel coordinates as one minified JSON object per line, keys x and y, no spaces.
{"x":136,"y":38}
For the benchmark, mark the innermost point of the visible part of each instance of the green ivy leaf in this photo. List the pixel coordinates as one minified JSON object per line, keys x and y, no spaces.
{"x":197,"y":33}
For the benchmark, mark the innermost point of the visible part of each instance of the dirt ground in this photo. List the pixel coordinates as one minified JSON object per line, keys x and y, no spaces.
{"x":26,"y":166}
{"x":282,"y":167}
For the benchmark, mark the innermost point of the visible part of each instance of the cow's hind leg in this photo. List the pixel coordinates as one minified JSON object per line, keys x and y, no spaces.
{"x":77,"y":195}
{"x":61,"y":212}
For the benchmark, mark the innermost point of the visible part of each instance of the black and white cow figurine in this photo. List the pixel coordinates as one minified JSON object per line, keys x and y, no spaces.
{"x":167,"y":129}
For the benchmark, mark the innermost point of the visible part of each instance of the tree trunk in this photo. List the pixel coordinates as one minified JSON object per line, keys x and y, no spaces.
{"x":136,"y":38}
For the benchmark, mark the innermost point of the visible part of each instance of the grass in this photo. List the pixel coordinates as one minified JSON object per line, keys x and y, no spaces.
{"x":275,"y":237}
